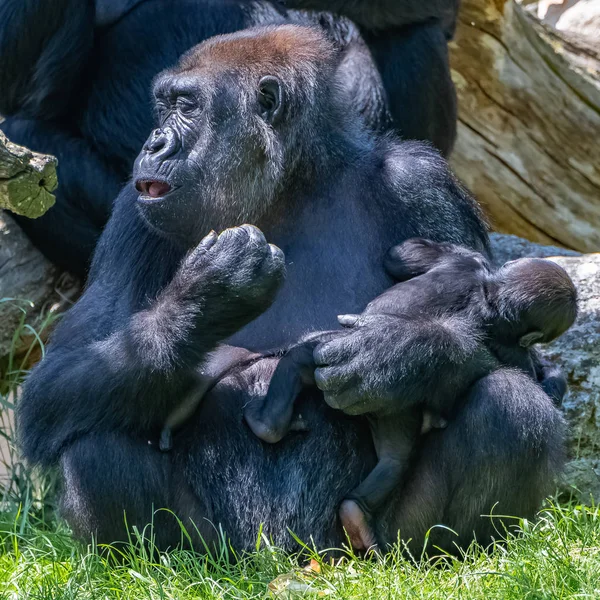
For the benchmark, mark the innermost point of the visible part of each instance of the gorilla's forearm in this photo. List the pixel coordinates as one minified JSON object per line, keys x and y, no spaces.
{"x":43,"y":48}
{"x":74,"y":391}
{"x":383,"y":14}
{"x":111,"y":367}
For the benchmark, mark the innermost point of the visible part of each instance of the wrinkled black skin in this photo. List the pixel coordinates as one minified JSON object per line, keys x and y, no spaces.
{"x":451,"y":298}
{"x":75,"y":84}
{"x":120,"y":360}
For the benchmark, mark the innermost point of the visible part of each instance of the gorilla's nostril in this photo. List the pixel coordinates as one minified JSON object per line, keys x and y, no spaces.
{"x":163,"y":142}
{"x":142,"y":187}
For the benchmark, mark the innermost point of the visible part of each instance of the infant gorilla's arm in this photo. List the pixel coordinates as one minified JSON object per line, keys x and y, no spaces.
{"x":270,"y":418}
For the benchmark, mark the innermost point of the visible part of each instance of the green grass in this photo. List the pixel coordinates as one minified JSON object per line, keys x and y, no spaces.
{"x":558,"y":556}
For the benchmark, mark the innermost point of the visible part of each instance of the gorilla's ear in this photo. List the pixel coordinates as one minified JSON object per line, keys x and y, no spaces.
{"x":270,"y":99}
{"x":531,"y":338}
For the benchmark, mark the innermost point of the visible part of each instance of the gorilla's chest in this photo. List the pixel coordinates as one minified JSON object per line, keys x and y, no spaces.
{"x":333,"y":267}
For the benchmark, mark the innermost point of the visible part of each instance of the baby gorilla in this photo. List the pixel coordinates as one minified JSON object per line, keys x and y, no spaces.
{"x":526,"y":301}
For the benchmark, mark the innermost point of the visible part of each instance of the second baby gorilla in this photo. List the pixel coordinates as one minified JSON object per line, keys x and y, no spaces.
{"x":449,"y":297}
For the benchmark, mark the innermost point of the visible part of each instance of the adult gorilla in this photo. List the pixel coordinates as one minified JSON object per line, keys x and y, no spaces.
{"x":255,"y":127}
{"x":75,"y":83}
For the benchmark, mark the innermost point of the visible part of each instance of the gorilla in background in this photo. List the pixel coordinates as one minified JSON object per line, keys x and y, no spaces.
{"x":75,"y":77}
{"x":254,"y":127}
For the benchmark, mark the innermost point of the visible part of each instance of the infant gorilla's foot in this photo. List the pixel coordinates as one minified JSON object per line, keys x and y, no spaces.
{"x":356,"y":524}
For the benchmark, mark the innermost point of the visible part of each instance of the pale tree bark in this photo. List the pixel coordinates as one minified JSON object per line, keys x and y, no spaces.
{"x":529,"y":123}
{"x":27,"y":179}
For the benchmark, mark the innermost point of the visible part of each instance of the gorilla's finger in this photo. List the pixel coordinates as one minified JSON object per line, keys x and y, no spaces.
{"x":348,"y":320}
{"x":350,"y":401}
{"x":331,"y":379}
{"x":271,"y":269}
{"x":207,"y":242}
{"x":277,"y":259}
{"x":330,"y":352}
{"x":203,"y":247}
{"x":256,"y":237}
{"x":345,"y":396}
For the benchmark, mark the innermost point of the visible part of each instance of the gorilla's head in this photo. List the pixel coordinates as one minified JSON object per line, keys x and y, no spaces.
{"x":242,"y":119}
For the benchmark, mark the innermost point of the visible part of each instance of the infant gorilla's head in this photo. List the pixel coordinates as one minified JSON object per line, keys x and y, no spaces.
{"x":527,"y":301}
{"x":535,"y":299}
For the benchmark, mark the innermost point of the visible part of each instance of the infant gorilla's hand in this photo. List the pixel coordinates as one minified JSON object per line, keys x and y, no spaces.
{"x":232,"y":277}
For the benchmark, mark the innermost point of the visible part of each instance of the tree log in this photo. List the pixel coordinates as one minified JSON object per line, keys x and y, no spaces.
{"x":529,"y":123}
{"x":27,"y":179}
{"x":32,"y":292}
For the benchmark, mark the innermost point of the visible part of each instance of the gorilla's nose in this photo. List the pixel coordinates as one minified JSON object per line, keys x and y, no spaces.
{"x":162,"y":144}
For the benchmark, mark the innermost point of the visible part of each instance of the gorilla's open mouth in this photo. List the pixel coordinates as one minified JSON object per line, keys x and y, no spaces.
{"x":152,"y":188}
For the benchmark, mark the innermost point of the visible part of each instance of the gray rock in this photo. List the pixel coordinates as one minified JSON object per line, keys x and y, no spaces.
{"x":578,"y":353}
{"x":510,"y":247}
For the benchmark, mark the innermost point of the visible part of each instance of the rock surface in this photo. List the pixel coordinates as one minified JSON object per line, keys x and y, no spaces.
{"x":578,"y":353}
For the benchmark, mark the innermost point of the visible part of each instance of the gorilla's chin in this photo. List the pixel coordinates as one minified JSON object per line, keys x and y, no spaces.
{"x":163,"y":216}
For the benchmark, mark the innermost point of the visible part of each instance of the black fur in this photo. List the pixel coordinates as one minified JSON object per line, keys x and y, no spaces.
{"x":455,"y":321}
{"x":74,"y":82}
{"x":380,"y":14}
{"x":334,"y":198}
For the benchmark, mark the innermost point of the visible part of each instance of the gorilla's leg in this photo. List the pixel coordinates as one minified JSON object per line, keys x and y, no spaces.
{"x":113,"y":483}
{"x":499,"y":456}
{"x":87,"y":185}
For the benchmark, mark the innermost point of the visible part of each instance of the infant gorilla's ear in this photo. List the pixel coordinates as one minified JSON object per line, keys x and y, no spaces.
{"x":538,"y":298}
{"x":529,"y":339}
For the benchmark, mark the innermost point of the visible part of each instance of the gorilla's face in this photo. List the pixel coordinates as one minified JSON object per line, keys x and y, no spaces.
{"x":215,"y":160}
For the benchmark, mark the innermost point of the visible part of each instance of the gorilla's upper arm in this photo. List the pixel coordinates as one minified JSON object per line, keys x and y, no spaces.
{"x":437,"y":206}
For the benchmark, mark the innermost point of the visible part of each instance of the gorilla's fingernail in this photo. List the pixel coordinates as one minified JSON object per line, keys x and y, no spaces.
{"x":347,"y":320}
{"x":209,"y":240}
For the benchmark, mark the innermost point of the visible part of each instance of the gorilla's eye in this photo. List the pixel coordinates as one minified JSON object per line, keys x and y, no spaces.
{"x":185,"y":106}
{"x":161,"y":110}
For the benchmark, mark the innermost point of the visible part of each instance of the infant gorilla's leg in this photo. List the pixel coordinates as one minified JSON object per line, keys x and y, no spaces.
{"x":271,"y":418}
{"x":394,"y":437}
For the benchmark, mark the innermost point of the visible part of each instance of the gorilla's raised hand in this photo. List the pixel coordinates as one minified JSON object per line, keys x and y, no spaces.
{"x":220,"y":286}
{"x":228,"y":279}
